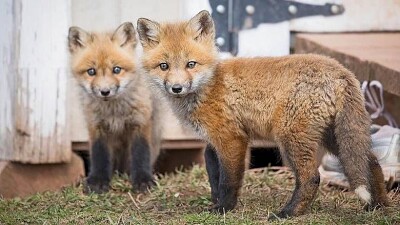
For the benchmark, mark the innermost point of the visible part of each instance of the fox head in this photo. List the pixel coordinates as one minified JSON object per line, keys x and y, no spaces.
{"x":179,"y":57}
{"x":103,"y":64}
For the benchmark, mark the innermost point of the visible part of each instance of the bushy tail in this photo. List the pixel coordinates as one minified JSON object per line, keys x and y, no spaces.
{"x":352,"y":124}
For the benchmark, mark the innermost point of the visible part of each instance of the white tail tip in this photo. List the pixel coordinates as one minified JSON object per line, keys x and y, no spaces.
{"x":363,"y":193}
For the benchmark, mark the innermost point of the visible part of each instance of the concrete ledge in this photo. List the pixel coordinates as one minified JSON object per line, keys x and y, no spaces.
{"x":20,"y":180}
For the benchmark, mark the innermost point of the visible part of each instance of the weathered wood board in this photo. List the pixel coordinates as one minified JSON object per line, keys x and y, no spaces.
{"x":33,"y":81}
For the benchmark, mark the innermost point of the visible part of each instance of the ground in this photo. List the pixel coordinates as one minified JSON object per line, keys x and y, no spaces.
{"x":183,"y":198}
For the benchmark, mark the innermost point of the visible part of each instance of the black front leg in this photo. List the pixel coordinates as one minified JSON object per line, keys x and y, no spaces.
{"x":213,"y":171}
{"x":231,"y":156}
{"x":100,"y":168}
{"x":141,"y":171}
{"x":229,"y":186}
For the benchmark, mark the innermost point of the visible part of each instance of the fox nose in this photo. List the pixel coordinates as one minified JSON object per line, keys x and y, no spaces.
{"x":105,"y":93}
{"x":177,"y":88}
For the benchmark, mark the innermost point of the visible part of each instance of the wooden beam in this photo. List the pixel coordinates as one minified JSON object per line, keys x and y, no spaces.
{"x":370,"y":56}
{"x":33,"y":82}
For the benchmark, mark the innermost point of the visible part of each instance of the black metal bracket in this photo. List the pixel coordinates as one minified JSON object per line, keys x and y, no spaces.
{"x":231,"y":16}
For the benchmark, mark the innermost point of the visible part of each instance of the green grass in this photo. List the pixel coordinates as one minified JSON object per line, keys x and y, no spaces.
{"x":183,"y":198}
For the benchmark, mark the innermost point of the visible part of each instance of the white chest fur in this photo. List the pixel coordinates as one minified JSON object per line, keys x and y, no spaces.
{"x":183,"y":109}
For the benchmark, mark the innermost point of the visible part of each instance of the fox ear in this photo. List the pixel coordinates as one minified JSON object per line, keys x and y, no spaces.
{"x":203,"y":25}
{"x":149,"y":32}
{"x":77,"y":38}
{"x":125,"y":35}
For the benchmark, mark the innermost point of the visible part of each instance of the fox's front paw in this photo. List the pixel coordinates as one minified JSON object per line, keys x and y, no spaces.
{"x":286,"y":212}
{"x":143,"y":183}
{"x":214,"y":196}
{"x":221,"y":209}
{"x":95,"y":185}
{"x":214,"y":199}
{"x":374,"y":206}
{"x":280,"y":215}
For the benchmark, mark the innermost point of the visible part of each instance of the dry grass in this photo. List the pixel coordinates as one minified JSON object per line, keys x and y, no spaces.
{"x":183,"y":198}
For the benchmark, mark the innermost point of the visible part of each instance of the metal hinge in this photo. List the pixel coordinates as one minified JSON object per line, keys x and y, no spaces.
{"x":231,"y":16}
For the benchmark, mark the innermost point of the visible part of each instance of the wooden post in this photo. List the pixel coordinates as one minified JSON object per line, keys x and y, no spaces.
{"x":33,"y":81}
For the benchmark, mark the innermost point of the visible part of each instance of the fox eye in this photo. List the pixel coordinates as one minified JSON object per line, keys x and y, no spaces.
{"x":116,"y":69}
{"x":164,"y":66}
{"x":91,"y":72}
{"x":191,"y":64}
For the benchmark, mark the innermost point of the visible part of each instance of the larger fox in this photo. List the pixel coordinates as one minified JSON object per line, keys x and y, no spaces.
{"x":300,"y":101}
{"x":121,"y":113}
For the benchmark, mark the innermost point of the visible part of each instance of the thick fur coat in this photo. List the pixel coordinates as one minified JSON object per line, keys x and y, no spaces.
{"x":299,"y":101}
{"x":121,"y":113}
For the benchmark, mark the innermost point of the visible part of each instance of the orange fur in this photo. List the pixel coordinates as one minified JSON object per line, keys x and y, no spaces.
{"x":294,"y":100}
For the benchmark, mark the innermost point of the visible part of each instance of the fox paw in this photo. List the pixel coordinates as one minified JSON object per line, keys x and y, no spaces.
{"x":373,"y":207}
{"x":142,"y":184}
{"x":95,"y":185}
{"x":217,"y":208}
{"x":280,"y":215}
{"x":214,"y":200}
{"x":286,"y":212}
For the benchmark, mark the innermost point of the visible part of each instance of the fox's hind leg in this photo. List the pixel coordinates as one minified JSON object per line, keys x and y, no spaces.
{"x":351,"y":131}
{"x":377,"y":187}
{"x":300,"y":152}
{"x":352,"y":164}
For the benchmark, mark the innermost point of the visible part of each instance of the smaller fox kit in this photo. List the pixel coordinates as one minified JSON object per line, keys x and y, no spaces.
{"x":120,"y":111}
{"x":300,"y":101}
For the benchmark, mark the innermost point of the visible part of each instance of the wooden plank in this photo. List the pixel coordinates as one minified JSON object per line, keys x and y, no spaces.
{"x":79,"y":132}
{"x":34,"y":86}
{"x":371,"y":56}
{"x":165,"y":144}
{"x":182,"y":144}
{"x":263,"y":144}
{"x":7,"y":80}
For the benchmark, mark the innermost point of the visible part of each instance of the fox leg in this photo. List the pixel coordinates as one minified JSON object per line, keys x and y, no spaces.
{"x":300,"y":153}
{"x":231,"y":152}
{"x":365,"y":174}
{"x":351,"y":131}
{"x":213,"y":171}
{"x":373,"y":170}
{"x":100,"y":168}
{"x":141,"y":169}
{"x":376,"y":183}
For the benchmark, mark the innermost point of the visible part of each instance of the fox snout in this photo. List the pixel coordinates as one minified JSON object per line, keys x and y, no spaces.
{"x":178,"y":89}
{"x":105,"y":92}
